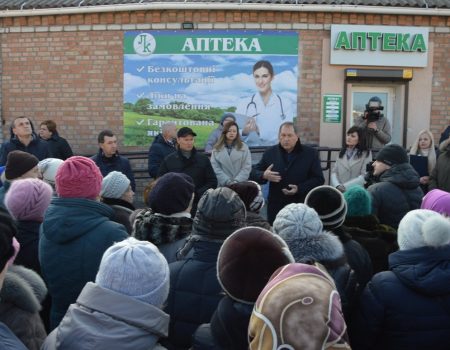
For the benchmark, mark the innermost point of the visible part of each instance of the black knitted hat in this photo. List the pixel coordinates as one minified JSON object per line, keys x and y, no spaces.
{"x":18,"y":163}
{"x":392,"y":154}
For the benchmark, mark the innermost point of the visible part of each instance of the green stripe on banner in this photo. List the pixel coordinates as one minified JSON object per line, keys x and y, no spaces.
{"x":146,"y":43}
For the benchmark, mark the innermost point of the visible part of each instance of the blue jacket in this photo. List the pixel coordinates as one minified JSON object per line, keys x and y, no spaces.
{"x":8,"y":341}
{"x":194,"y":294}
{"x":37,"y":147}
{"x":409,"y":306}
{"x":301,"y":167}
{"x":159,"y":150}
{"x":114,"y":163}
{"x":73,"y":237}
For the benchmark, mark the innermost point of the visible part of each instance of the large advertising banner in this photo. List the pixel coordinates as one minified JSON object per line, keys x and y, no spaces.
{"x":193,"y":77}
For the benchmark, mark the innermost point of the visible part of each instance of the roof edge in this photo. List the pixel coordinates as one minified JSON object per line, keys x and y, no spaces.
{"x":227,"y":6}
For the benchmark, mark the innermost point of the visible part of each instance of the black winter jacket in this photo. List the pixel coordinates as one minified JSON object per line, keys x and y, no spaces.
{"x":159,"y":150}
{"x":114,"y":163}
{"x":396,"y":192}
{"x":36,"y":147}
{"x":408,"y":307}
{"x":59,"y":147}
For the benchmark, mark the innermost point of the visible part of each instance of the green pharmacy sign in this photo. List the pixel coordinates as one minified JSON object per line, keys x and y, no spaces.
{"x":379,"y":45}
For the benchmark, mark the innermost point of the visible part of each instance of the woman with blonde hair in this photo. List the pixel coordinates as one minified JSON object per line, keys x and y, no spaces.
{"x":423,"y":146}
{"x":231,"y":158}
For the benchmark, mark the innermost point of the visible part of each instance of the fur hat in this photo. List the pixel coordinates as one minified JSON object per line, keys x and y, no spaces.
{"x":28,"y":199}
{"x":137,"y":269}
{"x":78,"y":177}
{"x":18,"y":163}
{"x":423,"y":228}
{"x":8,"y":230}
{"x":246,"y":261}
{"x":301,"y":228}
{"x":220,"y":212}
{"x":171,"y":194}
{"x":48,"y":168}
{"x":250,"y":193}
{"x":299,"y":308}
{"x":114,"y":185}
{"x":359,"y":201}
{"x":438,"y":201}
{"x":329,"y":204}
{"x":392,"y":154}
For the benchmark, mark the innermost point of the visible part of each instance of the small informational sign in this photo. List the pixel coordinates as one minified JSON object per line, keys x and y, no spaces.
{"x":332,"y":108}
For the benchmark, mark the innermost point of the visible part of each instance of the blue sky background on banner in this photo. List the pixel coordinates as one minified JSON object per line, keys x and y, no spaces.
{"x":233,"y":78}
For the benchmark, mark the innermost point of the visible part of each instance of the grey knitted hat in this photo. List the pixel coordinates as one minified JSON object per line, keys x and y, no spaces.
{"x":114,"y":185}
{"x":137,"y":269}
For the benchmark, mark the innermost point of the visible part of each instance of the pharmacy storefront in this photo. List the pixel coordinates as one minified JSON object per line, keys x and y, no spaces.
{"x":390,"y":62}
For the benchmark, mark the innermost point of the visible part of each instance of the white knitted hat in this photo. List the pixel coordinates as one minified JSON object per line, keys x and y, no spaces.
{"x":423,"y":228}
{"x":114,"y":185}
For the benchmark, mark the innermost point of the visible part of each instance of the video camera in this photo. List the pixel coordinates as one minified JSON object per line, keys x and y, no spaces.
{"x":373,"y":110}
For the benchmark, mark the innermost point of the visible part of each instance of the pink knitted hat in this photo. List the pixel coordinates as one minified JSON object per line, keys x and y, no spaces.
{"x":438,"y":201}
{"x":78,"y":177}
{"x":28,"y":199}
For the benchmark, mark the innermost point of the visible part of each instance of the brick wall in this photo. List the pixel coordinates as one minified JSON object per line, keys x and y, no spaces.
{"x":69,"y":67}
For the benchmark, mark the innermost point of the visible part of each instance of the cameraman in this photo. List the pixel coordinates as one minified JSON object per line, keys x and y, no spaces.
{"x":378,"y":129}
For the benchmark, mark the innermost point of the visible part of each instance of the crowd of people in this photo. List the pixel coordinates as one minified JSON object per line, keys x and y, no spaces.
{"x":360,"y":263}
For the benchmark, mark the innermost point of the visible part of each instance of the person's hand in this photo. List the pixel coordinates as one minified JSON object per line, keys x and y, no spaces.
{"x":290,"y":190}
{"x":424,"y":180}
{"x":373,"y":126}
{"x":272,"y":176}
{"x":249,"y":126}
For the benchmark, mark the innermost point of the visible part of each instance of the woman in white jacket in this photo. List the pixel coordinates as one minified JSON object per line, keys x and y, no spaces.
{"x":350,"y":167}
{"x":231,"y":158}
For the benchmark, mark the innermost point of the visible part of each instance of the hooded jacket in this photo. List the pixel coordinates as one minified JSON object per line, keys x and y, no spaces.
{"x":396,"y":192}
{"x":409,"y":306}
{"x":74,"y":235}
{"x":159,"y":150}
{"x":21,"y":297}
{"x":103,"y":319}
{"x":195,"y":290}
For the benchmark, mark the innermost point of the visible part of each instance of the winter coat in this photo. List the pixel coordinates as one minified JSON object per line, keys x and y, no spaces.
{"x":197,"y":166}
{"x":8,"y":339}
{"x":379,"y":240}
{"x":159,"y":150}
{"x":28,"y":237}
{"x":194,"y":293}
{"x":37,"y":147}
{"x":350,"y":172}
{"x":254,"y":219}
{"x":396,"y":192}
{"x":59,"y":147}
{"x":357,"y":257}
{"x":3,"y":190}
{"x":74,"y":235}
{"x":228,"y":327}
{"x":122,"y":211}
{"x":21,"y":297}
{"x":168,"y":233}
{"x":409,"y":306}
{"x":376,"y":140}
{"x":114,"y":163}
{"x":231,"y":167}
{"x":302,"y":169}
{"x":102,"y":319}
{"x":440,"y":176}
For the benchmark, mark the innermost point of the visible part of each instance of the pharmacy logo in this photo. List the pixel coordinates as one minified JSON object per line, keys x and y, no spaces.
{"x":144,"y":44}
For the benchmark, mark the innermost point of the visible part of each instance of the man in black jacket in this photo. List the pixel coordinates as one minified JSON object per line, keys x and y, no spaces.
{"x":23,"y":138}
{"x":189,"y":161}
{"x":291,"y":168}
{"x":59,"y":147}
{"x":163,"y":145}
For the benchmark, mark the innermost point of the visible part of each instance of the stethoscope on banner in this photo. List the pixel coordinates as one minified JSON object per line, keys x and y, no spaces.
{"x":282,"y":116}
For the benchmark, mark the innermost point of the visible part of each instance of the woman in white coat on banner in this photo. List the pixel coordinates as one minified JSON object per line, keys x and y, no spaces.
{"x":261,"y":114}
{"x":231,"y":158}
